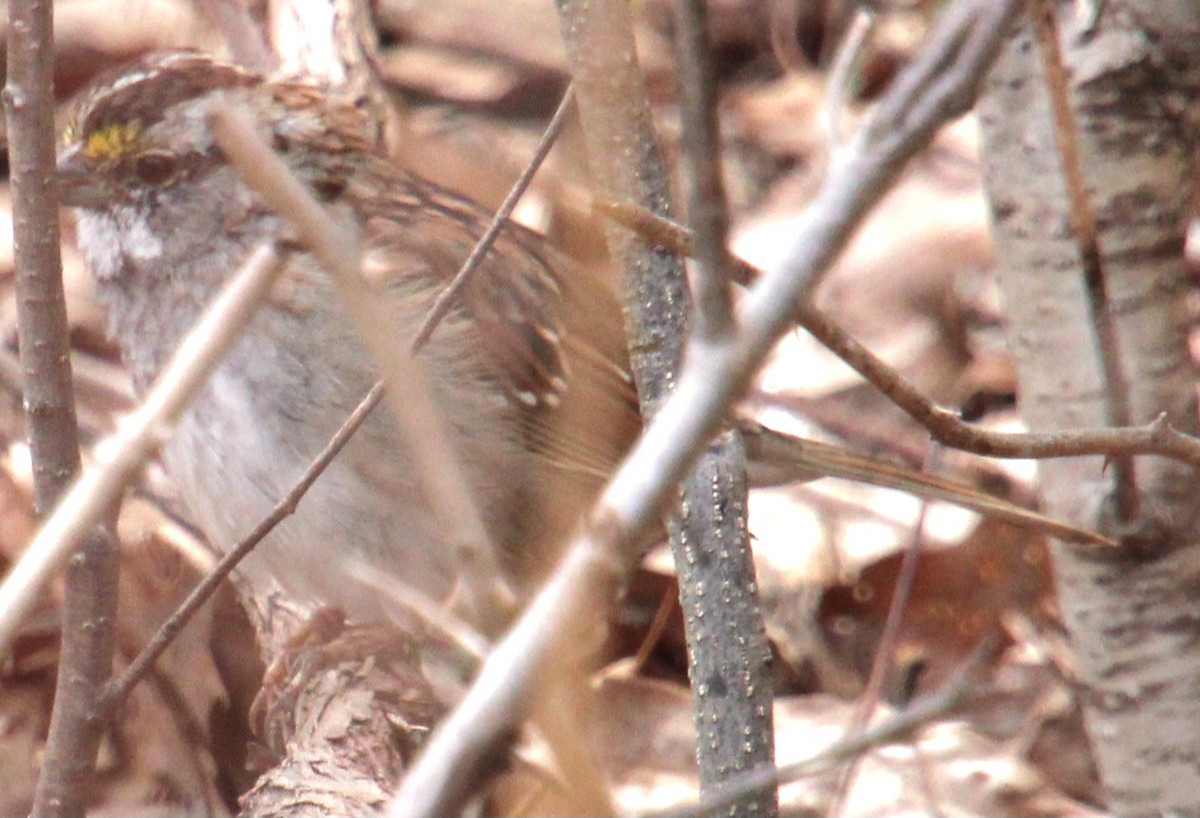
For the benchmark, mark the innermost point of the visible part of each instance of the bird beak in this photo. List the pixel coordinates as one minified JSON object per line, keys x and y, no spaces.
{"x":78,"y":183}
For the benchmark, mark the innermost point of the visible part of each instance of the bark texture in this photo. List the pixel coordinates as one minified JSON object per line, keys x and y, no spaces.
{"x":342,"y":712}
{"x":1132,"y":615}
{"x":727,"y":645}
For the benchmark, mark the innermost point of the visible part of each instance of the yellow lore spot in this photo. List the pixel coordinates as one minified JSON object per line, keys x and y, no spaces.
{"x":112,"y":141}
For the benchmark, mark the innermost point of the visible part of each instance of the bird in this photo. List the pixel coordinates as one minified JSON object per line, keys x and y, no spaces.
{"x":528,"y":370}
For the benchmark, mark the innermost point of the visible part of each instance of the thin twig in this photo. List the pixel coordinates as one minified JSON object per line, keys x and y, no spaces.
{"x":445,"y":299}
{"x":654,"y":633}
{"x":885,"y":652}
{"x":597,"y":562}
{"x":945,"y":426}
{"x":120,"y":687}
{"x":1082,"y":221}
{"x":119,"y":458}
{"x":661,"y":231}
{"x":435,"y":463}
{"x":798,"y":459}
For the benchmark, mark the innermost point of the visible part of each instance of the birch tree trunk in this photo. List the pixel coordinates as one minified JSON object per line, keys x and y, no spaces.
{"x":1134,"y":615}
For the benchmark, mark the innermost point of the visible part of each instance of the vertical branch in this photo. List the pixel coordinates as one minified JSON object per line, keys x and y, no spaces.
{"x":90,"y":599}
{"x":726,"y":637}
{"x":727,"y":646}
{"x":42,"y":329}
{"x":701,"y":169}
{"x":627,"y":166}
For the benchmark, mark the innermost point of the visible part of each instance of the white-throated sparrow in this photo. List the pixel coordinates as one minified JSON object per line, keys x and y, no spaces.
{"x":527,"y":368}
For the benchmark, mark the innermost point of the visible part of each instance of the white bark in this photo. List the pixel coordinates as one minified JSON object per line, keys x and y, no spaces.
{"x":1133,"y":619}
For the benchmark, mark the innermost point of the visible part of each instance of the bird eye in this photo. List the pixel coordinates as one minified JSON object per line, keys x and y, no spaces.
{"x":154,"y":167}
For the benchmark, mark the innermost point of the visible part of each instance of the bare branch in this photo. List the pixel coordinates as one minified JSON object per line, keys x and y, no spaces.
{"x":726,"y":637}
{"x":707,"y":210}
{"x":42,"y":329}
{"x":445,"y":299}
{"x":1157,"y":437}
{"x":945,"y":426}
{"x":953,"y":695}
{"x":90,"y":601}
{"x":599,"y":559}
{"x":120,"y":687}
{"x":727,"y":649}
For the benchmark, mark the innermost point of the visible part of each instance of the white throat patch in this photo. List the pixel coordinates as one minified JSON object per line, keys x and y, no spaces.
{"x":116,"y":238}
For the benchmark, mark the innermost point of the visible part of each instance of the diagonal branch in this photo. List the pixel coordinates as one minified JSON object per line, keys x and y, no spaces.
{"x":1157,"y":437}
{"x":593,"y":569}
{"x":120,"y":458}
